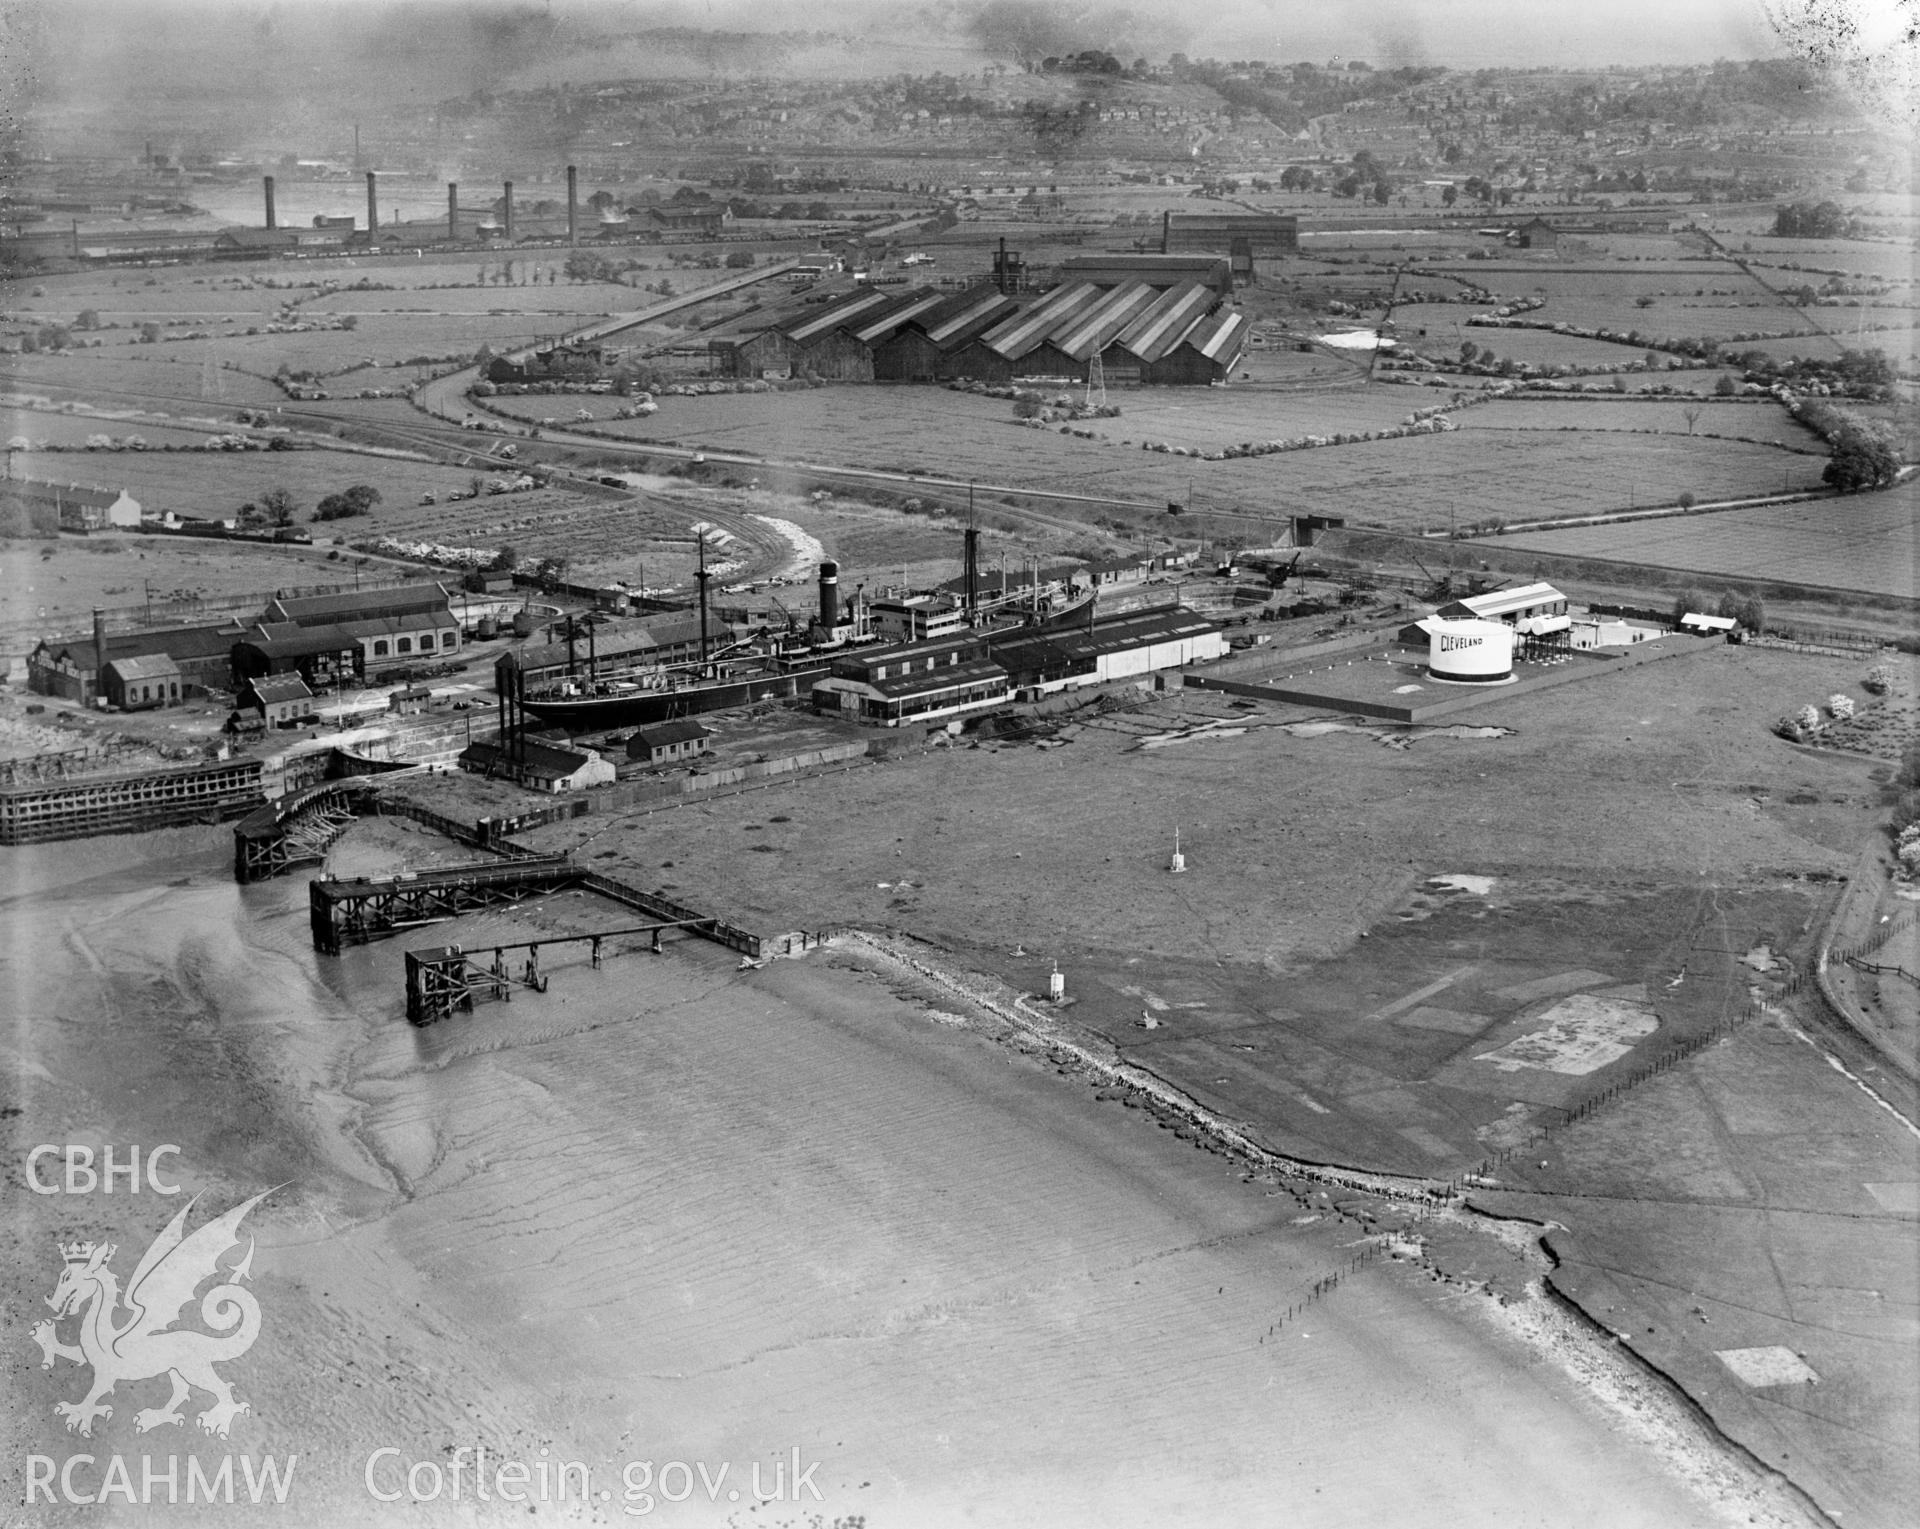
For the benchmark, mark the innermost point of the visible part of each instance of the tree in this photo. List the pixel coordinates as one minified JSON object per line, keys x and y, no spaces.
{"x":362,"y":496}
{"x":1691,"y":414}
{"x":739,"y":260}
{"x":505,"y":559}
{"x":1726,"y":387}
{"x":1863,"y":457}
{"x":276,"y":508}
{"x":89,"y":319}
{"x":337,"y":507}
{"x":1449,"y":195}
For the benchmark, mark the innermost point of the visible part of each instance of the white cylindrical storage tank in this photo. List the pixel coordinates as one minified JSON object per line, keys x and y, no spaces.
{"x":1470,"y":652}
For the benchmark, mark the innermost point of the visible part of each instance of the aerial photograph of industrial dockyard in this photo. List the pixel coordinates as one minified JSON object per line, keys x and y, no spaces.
{"x":998,"y":762}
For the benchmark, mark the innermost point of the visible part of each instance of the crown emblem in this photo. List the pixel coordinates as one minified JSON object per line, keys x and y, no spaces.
{"x":76,"y":1252}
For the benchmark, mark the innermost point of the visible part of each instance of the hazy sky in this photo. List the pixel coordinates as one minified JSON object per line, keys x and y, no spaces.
{"x":335,"y":56}
{"x":1462,"y":32}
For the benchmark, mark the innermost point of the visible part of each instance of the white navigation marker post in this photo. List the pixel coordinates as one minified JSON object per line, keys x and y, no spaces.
{"x":1179,"y":860}
{"x":1056,"y":984}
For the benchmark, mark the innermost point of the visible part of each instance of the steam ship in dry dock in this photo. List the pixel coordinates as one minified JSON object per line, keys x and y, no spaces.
{"x":606,"y":692}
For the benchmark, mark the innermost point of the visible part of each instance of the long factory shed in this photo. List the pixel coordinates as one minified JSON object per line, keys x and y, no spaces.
{"x":1141,"y":331}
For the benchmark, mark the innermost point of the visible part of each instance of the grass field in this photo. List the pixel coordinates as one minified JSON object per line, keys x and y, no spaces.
{"x":52,"y":426}
{"x":1403,"y":483}
{"x":1766,"y":422}
{"x":1866,"y":542}
{"x":54,"y":586}
{"x":172,"y":375}
{"x":217,"y":483}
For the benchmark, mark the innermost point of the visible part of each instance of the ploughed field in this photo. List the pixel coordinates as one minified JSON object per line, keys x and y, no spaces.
{"x":1864,"y":542}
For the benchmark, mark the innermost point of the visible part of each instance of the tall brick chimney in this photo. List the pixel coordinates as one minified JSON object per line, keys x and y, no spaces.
{"x":573,"y":205}
{"x":373,"y":207}
{"x":506,"y":217}
{"x":269,"y":188}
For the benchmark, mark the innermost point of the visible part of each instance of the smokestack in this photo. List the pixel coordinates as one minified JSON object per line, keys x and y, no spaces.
{"x":973,"y":571}
{"x":99,"y":651}
{"x":356,"y":143}
{"x":1166,"y":233}
{"x":829,"y":595}
{"x":269,"y":186}
{"x":506,"y":218}
{"x":373,"y":207}
{"x":573,"y":205}
{"x":453,"y":209}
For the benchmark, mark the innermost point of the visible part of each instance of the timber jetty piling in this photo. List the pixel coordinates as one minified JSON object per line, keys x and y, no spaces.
{"x":354,"y":912}
{"x":444,"y":978}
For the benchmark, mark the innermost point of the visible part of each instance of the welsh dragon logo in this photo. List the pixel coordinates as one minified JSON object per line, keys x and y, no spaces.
{"x":141,"y":1346}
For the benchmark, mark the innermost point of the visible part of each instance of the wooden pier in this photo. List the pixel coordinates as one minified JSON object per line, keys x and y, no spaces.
{"x":346,"y":913}
{"x":446,"y":978}
{"x":353,"y":912}
{"x":296,"y":829}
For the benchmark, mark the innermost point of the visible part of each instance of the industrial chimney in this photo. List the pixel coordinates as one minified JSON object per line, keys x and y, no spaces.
{"x":573,"y":205}
{"x":506,"y":218}
{"x":270,"y":220}
{"x":373,"y":207}
{"x":829,"y":596}
{"x":99,"y":651}
{"x":453,"y":209}
{"x":972,"y":585}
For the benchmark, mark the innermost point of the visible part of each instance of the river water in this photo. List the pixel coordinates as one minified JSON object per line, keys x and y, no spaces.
{"x":674,"y":1220}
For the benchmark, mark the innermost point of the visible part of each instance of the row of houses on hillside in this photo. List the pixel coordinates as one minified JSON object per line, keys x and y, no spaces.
{"x":73,"y":506}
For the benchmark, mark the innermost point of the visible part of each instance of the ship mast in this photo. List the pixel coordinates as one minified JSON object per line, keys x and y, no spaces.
{"x":700,"y":577}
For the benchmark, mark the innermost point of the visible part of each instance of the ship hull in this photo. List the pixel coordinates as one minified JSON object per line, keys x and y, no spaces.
{"x":588,"y":714}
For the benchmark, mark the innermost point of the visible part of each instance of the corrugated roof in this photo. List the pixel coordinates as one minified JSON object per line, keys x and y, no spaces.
{"x":912,"y":305}
{"x":1165,"y":324}
{"x":269,"y":690}
{"x":658,"y":735}
{"x":1148,"y":266}
{"x":1498,"y":602}
{"x":898,"y":687}
{"x":309,"y":610}
{"x":834,"y":315}
{"x":289,"y":640}
{"x":964,"y":313}
{"x":1088,"y":332}
{"x":145,"y":666}
{"x":539,"y":759}
{"x":1113,"y":634}
{"x":177,"y":643}
{"x":1021,"y":333}
{"x":1218,"y":337}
